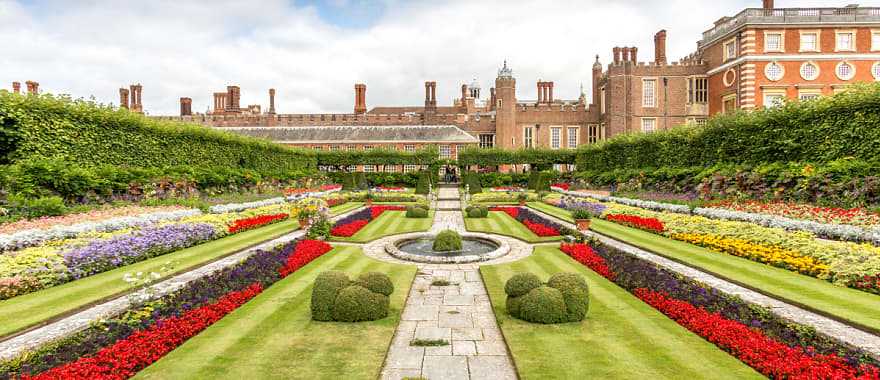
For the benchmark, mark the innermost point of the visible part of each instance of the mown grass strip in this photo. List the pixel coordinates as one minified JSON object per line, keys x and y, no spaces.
{"x":387,"y":224}
{"x":502,"y":224}
{"x":622,"y":337}
{"x":273,"y":336}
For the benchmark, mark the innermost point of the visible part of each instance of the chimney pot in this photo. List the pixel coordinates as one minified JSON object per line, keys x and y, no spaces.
{"x":768,"y":4}
{"x":660,"y":47}
{"x":16,"y":87}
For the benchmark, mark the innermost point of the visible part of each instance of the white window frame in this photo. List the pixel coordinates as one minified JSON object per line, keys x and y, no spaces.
{"x":781,"y":35}
{"x":334,"y":148}
{"x":801,"y":70}
{"x":350,"y":147}
{"x":875,"y":39}
{"x":768,"y":95}
{"x":409,"y":148}
{"x":726,"y":51}
{"x":875,"y":70}
{"x":838,"y":33}
{"x":368,"y":147}
{"x":409,"y":168}
{"x":767,"y":71}
{"x":318,"y":147}
{"x":725,"y":99}
{"x":448,"y":152}
{"x":369,"y":168}
{"x":653,"y":121}
{"x":602,"y":100}
{"x":529,"y":137}
{"x":573,"y":132}
{"x":555,"y":137}
{"x":697,"y":94}
{"x":593,"y":133}
{"x":649,"y":100}
{"x":490,"y":143}
{"x":818,"y":46}
{"x":807,"y":94}
{"x":852,"y":71}
{"x":390,"y":168}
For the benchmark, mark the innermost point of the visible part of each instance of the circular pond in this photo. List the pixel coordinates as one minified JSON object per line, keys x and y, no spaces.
{"x":469,"y":246}
{"x":418,"y":248}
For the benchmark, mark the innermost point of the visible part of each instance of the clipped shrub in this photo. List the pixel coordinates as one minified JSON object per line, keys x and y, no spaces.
{"x":357,"y":303}
{"x":361,"y":181}
{"x":477,"y":211}
{"x":348,"y":182}
{"x":472,"y":180}
{"x":324,"y":293}
{"x":36,"y":207}
{"x":542,"y":305}
{"x":376,"y":282}
{"x":447,"y":240}
{"x":423,"y":184}
{"x":575,"y":292}
{"x":416,"y":211}
{"x":521,"y":283}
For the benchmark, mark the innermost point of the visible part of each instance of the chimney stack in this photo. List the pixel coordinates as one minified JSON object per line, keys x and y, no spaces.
{"x":430,"y":95}
{"x":16,"y":87}
{"x":135,"y":104}
{"x":233,"y":98}
{"x":185,"y":107}
{"x":634,"y":54}
{"x":768,"y":4}
{"x":33,"y":88}
{"x":492,"y":99}
{"x":360,"y":98}
{"x":464,"y":92}
{"x":660,"y":47}
{"x":616,"y":55}
{"x":123,"y":98}
{"x":271,"y":101}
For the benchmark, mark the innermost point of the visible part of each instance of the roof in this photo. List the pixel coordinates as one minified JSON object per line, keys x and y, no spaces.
{"x":401,"y":110}
{"x":357,"y":134}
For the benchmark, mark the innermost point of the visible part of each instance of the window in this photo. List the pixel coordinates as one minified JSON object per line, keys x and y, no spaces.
{"x":845,"y":71}
{"x":445,"y":152}
{"x":318,"y":148}
{"x":649,"y":91}
{"x":875,"y":40}
{"x":810,"y":41}
{"x":573,"y":137}
{"x":774,"y":71}
{"x":593,"y":134}
{"x":368,"y":147}
{"x":698,"y":121}
{"x":846,"y":41}
{"x":487,"y":141}
{"x":528,"y":137}
{"x":335,"y":148}
{"x":369,"y":168}
{"x":602,"y":101}
{"x":728,"y":103}
{"x":809,"y":71}
{"x":409,"y":168}
{"x":555,"y":137}
{"x":730,"y":49}
{"x":648,"y":124}
{"x":557,"y":167}
{"x":499,"y":103}
{"x":351,"y":168}
{"x":875,"y":70}
{"x":774,"y":99}
{"x":350,"y":147}
{"x":809,"y":94}
{"x":390,"y":168}
{"x":774,"y":42}
{"x":698,"y":90}
{"x":409,"y":148}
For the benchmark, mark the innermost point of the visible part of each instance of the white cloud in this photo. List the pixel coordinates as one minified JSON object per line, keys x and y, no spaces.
{"x":193,"y":49}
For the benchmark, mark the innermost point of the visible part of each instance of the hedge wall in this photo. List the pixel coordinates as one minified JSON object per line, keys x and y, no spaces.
{"x":830,"y":128}
{"x":426,"y":156}
{"x":498,"y":156}
{"x":90,"y":134}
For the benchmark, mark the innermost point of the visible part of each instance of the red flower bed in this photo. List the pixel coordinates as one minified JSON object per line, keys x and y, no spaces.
{"x":540,"y":229}
{"x":767,"y":356}
{"x":330,"y":187}
{"x":512,"y":211}
{"x":126,"y":357}
{"x":584,"y":254}
{"x":304,"y":253}
{"x":375,"y":211}
{"x":386,"y":188}
{"x":648,"y":224}
{"x":563,"y":186}
{"x":255,"y":221}
{"x":349,"y":229}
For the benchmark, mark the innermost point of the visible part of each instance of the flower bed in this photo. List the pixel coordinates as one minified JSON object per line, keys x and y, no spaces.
{"x":99,"y":215}
{"x":86,"y":354}
{"x":349,"y":229}
{"x":647,"y":224}
{"x":389,"y":189}
{"x":538,"y":224}
{"x":561,"y":186}
{"x":350,"y":225}
{"x":571,"y":204}
{"x":507,"y":189}
{"x":540,"y":229}
{"x":255,"y":221}
{"x":771,"y":344}
{"x":858,"y":216}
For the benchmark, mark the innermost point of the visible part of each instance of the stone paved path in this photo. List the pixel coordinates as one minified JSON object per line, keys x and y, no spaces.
{"x":458,"y":313}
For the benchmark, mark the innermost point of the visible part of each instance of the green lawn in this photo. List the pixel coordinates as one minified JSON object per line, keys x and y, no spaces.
{"x":387,"y":224}
{"x":622,"y":337}
{"x":552,"y":210}
{"x":273,"y":336}
{"x":500,"y":223}
{"x":40,"y":307}
{"x":853,"y":305}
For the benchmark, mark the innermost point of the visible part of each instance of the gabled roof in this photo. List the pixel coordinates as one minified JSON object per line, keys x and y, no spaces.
{"x":358,"y":134}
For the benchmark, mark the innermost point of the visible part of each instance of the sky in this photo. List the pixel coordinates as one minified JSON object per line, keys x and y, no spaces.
{"x":313,"y":52}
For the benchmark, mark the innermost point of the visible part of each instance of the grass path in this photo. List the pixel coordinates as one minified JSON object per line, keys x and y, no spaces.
{"x":500,"y":223}
{"x":273,"y":336}
{"x":36,"y":308}
{"x":622,"y":337}
{"x":389,"y":223}
{"x":858,"y":307}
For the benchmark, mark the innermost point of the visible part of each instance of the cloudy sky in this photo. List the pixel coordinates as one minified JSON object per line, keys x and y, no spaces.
{"x":312,"y":52}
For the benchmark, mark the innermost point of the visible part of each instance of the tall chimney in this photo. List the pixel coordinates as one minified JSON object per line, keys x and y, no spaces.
{"x":233,"y":99}
{"x":360,"y":101}
{"x":427,"y":94}
{"x":271,"y":101}
{"x":185,"y":107}
{"x":463,"y":93}
{"x":123,"y":98}
{"x":768,"y":4}
{"x":16,"y":87}
{"x":550,"y":87}
{"x":32,"y":87}
{"x":492,"y":99}
{"x":634,"y":54}
{"x":597,"y":75}
{"x":616,"y":55}
{"x":660,"y":47}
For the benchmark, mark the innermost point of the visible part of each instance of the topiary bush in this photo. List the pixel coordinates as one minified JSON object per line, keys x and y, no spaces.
{"x":565,"y":298}
{"x":423,"y":183}
{"x":361,"y":181}
{"x":475,"y":211}
{"x":447,"y":240}
{"x":416,"y":211}
{"x":348,"y":182}
{"x":336,"y":298}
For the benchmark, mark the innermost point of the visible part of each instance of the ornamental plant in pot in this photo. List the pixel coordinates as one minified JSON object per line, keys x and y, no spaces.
{"x":582,"y":217}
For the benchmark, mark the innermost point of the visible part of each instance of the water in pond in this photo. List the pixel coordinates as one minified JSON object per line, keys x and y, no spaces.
{"x":422,"y":247}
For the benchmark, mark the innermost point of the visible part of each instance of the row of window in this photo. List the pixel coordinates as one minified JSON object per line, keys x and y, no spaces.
{"x":810,"y":71}
{"x":555,"y":137}
{"x":333,"y":148}
{"x":374,"y":168}
{"x":774,"y":42}
{"x":697,"y":90}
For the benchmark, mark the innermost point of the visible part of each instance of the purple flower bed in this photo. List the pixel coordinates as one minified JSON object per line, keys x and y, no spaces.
{"x":632,"y":273}
{"x":262,"y":266}
{"x":365,"y":214}
{"x":570,"y":203}
{"x":103,"y":255}
{"x":526,"y":213}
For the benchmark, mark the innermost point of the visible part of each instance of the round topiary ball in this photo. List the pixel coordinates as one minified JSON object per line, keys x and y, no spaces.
{"x":513,"y":305}
{"x":447,"y":240}
{"x":327,"y":287}
{"x":475,"y":212}
{"x":376,"y":282}
{"x":542,"y":305}
{"x":575,"y":292}
{"x":521,"y":283}
{"x":357,"y":303}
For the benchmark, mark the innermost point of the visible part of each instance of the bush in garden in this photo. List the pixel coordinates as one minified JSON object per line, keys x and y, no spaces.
{"x":376,"y":282}
{"x":424,"y":183}
{"x":36,"y":207}
{"x":327,"y":287}
{"x":416,"y":211}
{"x":361,"y":181}
{"x":447,"y":240}
{"x":565,"y":298}
{"x":357,"y":303}
{"x":477,"y":211}
{"x":348,"y":182}
{"x":472,"y":180}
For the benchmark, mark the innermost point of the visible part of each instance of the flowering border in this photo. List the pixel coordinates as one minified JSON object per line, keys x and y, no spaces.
{"x":350,"y":225}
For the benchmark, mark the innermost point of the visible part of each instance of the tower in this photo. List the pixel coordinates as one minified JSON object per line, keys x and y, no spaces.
{"x":123,"y":98}
{"x":271,"y":101}
{"x":505,"y":109}
{"x":185,"y":107}
{"x":360,"y":99}
{"x":233,"y":97}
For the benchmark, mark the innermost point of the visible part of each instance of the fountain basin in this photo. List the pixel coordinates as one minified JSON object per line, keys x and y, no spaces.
{"x":475,"y":248}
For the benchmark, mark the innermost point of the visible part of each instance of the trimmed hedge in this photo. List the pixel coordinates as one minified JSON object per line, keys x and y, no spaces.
{"x":327,"y":287}
{"x":542,"y":158}
{"x":90,"y":134}
{"x":416,"y":211}
{"x":447,"y":240}
{"x":379,"y":156}
{"x":336,"y":298}
{"x":565,"y":298}
{"x":477,"y":211}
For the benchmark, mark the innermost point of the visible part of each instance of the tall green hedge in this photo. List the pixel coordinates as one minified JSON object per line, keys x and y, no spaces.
{"x":543,"y":158}
{"x":379,"y":156}
{"x":89,"y":134}
{"x":823,"y":130}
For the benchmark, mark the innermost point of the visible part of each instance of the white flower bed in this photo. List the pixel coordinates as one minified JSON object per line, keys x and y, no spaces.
{"x":651,"y":205}
{"x":235,"y":207}
{"x":33,"y":237}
